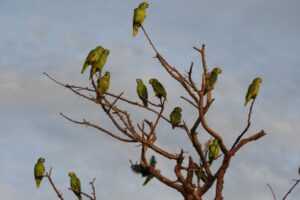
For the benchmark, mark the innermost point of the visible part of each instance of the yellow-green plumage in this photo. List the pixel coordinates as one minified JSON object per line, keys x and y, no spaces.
{"x":213,"y":151}
{"x":253,"y":90}
{"x":213,"y":77}
{"x":139,"y":16}
{"x":103,"y":83}
{"x":92,"y":57}
{"x":75,"y":185}
{"x":39,"y":170}
{"x":142,"y":92}
{"x":100,"y":62}
{"x":158,"y":88}
{"x":175,"y":117}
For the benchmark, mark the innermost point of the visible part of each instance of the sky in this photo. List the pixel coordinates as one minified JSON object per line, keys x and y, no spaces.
{"x":245,"y":38}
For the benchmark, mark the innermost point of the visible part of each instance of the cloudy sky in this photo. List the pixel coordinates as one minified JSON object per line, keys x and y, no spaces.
{"x":246,"y":38}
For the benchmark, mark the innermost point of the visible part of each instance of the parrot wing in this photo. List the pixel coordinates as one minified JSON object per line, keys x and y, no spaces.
{"x":143,"y":93}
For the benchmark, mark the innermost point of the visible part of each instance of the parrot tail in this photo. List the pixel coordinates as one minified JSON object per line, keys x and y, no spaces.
{"x":85,"y":65}
{"x":135,"y":30}
{"x":173,"y":126}
{"x":38,"y":182}
{"x":145,"y":102}
{"x":78,"y":195}
{"x":246,"y":102}
{"x":147,"y":180}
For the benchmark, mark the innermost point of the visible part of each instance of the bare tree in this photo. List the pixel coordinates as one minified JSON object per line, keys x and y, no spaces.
{"x":189,"y":180}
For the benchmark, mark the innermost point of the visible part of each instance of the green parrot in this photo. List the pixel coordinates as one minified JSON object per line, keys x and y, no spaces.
{"x":99,"y":64}
{"x":213,"y":151}
{"x":253,"y":89}
{"x":92,"y":57}
{"x":202,"y":174}
{"x":75,"y":185}
{"x":142,"y":92}
{"x":175,"y":116}
{"x":39,"y":170}
{"x":139,"y":17}
{"x":153,"y":162}
{"x":103,"y":83}
{"x":213,"y":77}
{"x":158,"y":88}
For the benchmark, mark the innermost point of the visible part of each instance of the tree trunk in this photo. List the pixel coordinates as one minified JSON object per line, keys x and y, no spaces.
{"x":189,"y":197}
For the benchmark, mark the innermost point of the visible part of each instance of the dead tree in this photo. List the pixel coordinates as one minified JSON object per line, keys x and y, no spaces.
{"x":188,"y":183}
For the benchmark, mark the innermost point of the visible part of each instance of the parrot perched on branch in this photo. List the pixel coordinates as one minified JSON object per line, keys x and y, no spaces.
{"x":142,"y":92}
{"x":99,"y":64}
{"x":139,"y":16}
{"x":92,"y":57}
{"x":213,"y":77}
{"x":199,"y":172}
{"x":213,"y":151}
{"x":144,"y":171}
{"x":75,"y":185}
{"x":253,"y":90}
{"x":175,"y":116}
{"x":103,"y":83}
{"x":158,"y":88}
{"x":153,"y":162}
{"x":39,"y":170}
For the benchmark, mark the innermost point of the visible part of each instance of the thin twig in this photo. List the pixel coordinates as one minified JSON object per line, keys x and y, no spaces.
{"x":83,"y":193}
{"x":48,"y":175}
{"x":158,"y":117}
{"x":274,"y":197}
{"x":93,"y":188}
{"x":192,"y":83}
{"x":84,"y":122}
{"x":173,"y":72}
{"x":247,"y":127}
{"x":290,"y":190}
{"x":149,"y":40}
{"x":193,"y":104}
{"x":115,"y":101}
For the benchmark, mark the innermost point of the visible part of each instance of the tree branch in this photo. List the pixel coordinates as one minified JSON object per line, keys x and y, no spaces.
{"x":84,"y":122}
{"x":48,"y":175}
{"x":93,"y":188}
{"x":83,"y":193}
{"x":269,"y":186}
{"x":247,"y":127}
{"x":290,"y":190}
